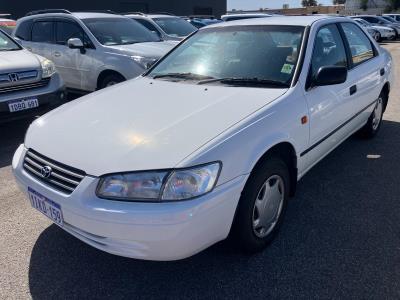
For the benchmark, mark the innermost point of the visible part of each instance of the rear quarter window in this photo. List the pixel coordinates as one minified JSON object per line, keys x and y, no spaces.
{"x":23,"y":30}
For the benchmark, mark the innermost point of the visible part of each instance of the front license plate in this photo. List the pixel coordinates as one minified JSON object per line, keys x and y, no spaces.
{"x":46,"y":206}
{"x":23,"y":104}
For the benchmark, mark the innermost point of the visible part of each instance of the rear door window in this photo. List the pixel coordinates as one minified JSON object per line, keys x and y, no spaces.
{"x":43,"y":32}
{"x":360,"y":45}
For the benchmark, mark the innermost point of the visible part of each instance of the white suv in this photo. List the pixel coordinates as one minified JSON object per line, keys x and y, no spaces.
{"x":90,"y":50}
{"x":213,"y":141}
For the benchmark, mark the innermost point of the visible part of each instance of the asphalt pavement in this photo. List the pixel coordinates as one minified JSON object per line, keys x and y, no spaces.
{"x":340,"y":238}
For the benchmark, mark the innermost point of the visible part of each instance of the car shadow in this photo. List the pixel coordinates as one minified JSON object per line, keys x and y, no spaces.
{"x":11,"y":136}
{"x":340,"y":239}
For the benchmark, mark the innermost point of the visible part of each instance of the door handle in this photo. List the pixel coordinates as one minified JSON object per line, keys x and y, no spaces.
{"x":382,"y":72}
{"x":57,"y":54}
{"x":353,"y":90}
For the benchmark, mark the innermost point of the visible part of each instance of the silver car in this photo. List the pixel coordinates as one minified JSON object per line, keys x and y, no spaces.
{"x":167,"y":27}
{"x":91,"y":50}
{"x":29,"y":84}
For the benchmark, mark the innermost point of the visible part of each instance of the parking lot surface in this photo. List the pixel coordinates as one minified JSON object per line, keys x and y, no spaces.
{"x":340,"y":239}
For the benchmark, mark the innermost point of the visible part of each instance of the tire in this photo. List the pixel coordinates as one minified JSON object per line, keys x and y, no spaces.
{"x":248,"y":233}
{"x":374,"y":123}
{"x":110,"y":80}
{"x":378,"y":37}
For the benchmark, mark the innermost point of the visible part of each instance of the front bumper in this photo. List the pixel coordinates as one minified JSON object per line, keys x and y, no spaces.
{"x":151,"y":231}
{"x":49,"y":97}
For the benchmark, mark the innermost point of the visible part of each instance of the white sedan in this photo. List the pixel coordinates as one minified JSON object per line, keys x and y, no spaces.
{"x":211,"y":141}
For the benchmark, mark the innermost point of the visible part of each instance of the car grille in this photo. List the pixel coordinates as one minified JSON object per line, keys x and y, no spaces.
{"x":61,"y":177}
{"x":27,"y":86}
{"x":18,"y":76}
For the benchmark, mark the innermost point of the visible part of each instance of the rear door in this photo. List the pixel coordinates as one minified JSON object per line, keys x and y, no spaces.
{"x":365,"y":71}
{"x":42,"y":38}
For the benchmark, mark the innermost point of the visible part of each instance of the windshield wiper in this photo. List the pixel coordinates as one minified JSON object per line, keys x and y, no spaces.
{"x":246,"y":81}
{"x":187,"y":75}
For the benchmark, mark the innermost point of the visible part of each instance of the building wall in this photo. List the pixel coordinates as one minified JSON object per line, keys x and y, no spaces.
{"x":18,"y":8}
{"x":374,"y":7}
{"x":329,"y":9}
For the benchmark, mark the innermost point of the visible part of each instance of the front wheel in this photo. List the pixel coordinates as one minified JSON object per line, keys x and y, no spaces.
{"x":262,"y":205}
{"x":378,"y":37}
{"x":375,"y":120}
{"x":111,"y":80}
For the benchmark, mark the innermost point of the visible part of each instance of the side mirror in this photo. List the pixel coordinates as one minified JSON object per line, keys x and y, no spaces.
{"x":76,"y":43}
{"x":330,"y":75}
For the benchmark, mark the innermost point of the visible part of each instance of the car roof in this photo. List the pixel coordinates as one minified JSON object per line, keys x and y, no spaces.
{"x":247,"y":15}
{"x":151,"y":16}
{"x":79,"y":15}
{"x":292,"y":20}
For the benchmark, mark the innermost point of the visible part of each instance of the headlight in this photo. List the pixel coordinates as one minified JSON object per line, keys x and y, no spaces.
{"x":181,"y":184}
{"x":145,"y":62}
{"x":48,"y":68}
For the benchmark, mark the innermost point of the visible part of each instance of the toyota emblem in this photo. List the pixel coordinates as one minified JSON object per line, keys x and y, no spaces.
{"x":46,"y":171}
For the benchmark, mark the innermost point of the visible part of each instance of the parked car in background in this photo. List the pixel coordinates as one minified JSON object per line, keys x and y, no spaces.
{"x":29,"y":84}
{"x":202,"y":22}
{"x":394,"y":16}
{"x":167,"y":27}
{"x":379,"y":21}
{"x":7,"y":25}
{"x":91,"y":50}
{"x":381,"y":32}
{"x":390,"y":19}
{"x":211,"y":141}
{"x":244,"y":16}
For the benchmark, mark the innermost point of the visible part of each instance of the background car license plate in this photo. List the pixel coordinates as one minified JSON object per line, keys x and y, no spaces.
{"x":23,"y":104}
{"x":46,"y":206}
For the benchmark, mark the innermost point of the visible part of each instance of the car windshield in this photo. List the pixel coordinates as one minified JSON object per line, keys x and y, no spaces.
{"x":383,"y":20}
{"x":240,"y":55}
{"x":175,"y":26}
{"x":7,"y":44}
{"x":363,"y":22}
{"x":389,"y":19}
{"x":119,"y":31}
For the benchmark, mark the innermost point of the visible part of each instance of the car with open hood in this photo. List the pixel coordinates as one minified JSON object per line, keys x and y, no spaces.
{"x":211,"y":141}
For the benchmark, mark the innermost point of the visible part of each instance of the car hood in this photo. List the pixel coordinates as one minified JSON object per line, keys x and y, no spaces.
{"x":150,"y":49}
{"x":381,"y":27}
{"x":19,"y":60}
{"x":142,"y":124}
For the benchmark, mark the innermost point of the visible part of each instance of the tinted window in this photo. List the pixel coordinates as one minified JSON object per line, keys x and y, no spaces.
{"x":328,"y":49}
{"x":23,"y":31}
{"x":119,"y":31}
{"x":360,"y":45}
{"x":68,"y":30}
{"x":147,"y":24}
{"x":175,"y":26}
{"x":263,"y":52}
{"x":42,"y":32}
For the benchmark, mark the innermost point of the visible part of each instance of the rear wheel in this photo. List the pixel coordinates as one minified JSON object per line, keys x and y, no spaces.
{"x":375,"y":120}
{"x":262,"y":205}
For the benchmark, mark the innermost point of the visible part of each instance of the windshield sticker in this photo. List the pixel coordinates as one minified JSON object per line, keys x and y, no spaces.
{"x":287,"y":69}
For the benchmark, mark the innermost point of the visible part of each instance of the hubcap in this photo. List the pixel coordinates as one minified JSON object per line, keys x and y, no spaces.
{"x":377,"y":114}
{"x":268,"y":206}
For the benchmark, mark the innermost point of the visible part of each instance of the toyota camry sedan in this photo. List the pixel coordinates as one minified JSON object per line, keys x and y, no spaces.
{"x":211,"y":141}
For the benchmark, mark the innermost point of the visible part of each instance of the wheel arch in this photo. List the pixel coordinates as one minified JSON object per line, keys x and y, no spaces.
{"x":103,"y":74}
{"x":386,"y":91}
{"x":287,"y":152}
